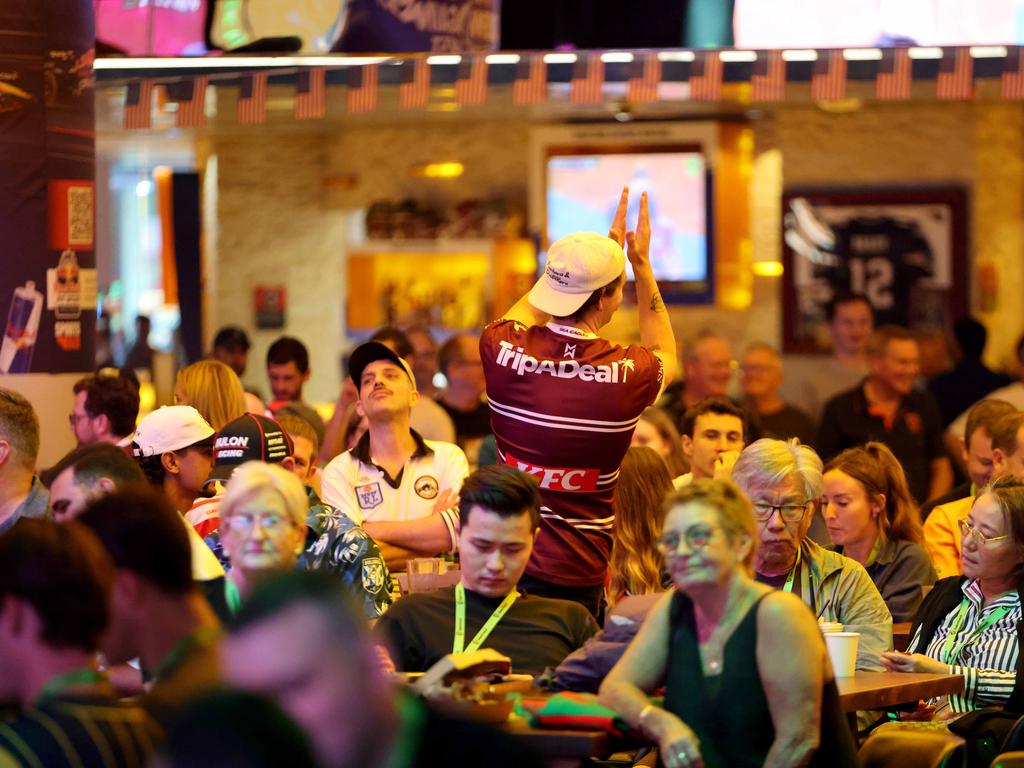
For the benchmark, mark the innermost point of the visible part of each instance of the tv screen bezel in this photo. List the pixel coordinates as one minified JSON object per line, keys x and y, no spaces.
{"x":678,"y":292}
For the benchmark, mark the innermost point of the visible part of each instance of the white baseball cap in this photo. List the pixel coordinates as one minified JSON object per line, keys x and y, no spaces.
{"x":576,"y":266}
{"x":171,"y":428}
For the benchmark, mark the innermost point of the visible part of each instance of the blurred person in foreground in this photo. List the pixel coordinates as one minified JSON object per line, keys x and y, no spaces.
{"x":783,"y":481}
{"x":943,"y":536}
{"x":158,"y":616}
{"x":22,"y":493}
{"x":872,"y":519}
{"x":565,"y":401}
{"x":296,"y":641}
{"x":747,"y":678}
{"x":213,"y":389}
{"x":499,"y":512}
{"x":969,"y":625}
{"x":55,"y":584}
{"x":656,"y":430}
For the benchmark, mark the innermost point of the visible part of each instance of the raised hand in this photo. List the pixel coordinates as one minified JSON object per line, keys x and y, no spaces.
{"x":639,"y":240}
{"x":618,"y":230}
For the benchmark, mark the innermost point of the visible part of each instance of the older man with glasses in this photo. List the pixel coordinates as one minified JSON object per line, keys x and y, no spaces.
{"x":783,"y":481}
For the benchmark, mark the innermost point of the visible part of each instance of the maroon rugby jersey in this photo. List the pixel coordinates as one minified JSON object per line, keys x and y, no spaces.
{"x":564,"y":404}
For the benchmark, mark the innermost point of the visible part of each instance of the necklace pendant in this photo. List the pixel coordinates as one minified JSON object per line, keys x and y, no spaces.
{"x":714,"y":665}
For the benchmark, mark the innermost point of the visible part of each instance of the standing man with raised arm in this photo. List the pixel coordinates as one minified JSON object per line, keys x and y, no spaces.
{"x":564,"y":402}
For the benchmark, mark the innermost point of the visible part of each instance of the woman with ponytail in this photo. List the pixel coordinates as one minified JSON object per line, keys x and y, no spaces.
{"x":871,"y":518}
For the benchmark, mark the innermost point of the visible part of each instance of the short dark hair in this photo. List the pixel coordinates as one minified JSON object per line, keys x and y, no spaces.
{"x":231,"y":338}
{"x":721,"y":406}
{"x":394,"y":339}
{"x":288,"y":349}
{"x":970,"y":337}
{"x":985,"y":414}
{"x":593,"y":298}
{"x":1004,"y":432}
{"x":93,"y":462}
{"x":63,"y":572}
{"x":846,"y":297}
{"x":501,"y":489}
{"x":19,"y":426}
{"x":112,"y":396}
{"x":144,"y":534}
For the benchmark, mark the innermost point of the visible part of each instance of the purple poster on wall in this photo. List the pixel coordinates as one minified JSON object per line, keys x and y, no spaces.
{"x":47,"y":150}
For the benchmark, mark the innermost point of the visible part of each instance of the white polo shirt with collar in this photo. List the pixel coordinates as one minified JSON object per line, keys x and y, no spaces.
{"x":361,"y":489}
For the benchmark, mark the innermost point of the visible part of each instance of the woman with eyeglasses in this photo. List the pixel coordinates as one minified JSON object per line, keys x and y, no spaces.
{"x":746,"y":675}
{"x":262,"y":527}
{"x":871,"y":518}
{"x":969,"y":625}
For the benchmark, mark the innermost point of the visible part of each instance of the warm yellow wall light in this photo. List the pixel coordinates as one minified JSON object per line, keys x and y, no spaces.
{"x":768,"y":268}
{"x":438,"y":170}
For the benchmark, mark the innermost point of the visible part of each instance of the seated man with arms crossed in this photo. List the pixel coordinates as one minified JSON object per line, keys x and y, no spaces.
{"x":401,"y":488}
{"x":783,"y":481}
{"x":499,"y":509}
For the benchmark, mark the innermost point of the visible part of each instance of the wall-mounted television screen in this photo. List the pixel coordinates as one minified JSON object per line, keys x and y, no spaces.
{"x":583,"y":188}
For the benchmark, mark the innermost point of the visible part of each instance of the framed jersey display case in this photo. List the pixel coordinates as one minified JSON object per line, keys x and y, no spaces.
{"x":904,"y":249}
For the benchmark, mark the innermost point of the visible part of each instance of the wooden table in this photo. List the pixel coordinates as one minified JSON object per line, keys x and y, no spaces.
{"x":561,"y":749}
{"x":878,"y":690}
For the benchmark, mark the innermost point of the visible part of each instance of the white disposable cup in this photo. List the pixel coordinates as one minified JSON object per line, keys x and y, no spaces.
{"x":842,"y":649}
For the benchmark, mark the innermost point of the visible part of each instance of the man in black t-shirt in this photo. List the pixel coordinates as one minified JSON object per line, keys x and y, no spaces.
{"x":499,"y":509}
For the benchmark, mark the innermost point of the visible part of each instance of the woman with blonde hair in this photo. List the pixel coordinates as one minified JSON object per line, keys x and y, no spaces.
{"x":262,"y":526}
{"x":871,"y":518}
{"x":656,"y":430}
{"x":635,"y":566}
{"x":746,"y":676}
{"x":213,"y":389}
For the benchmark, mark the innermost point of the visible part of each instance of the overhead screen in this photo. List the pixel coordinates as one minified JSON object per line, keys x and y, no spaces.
{"x":583,"y":188}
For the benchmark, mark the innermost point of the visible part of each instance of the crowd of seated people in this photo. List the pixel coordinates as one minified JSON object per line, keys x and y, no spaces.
{"x":615,"y":531}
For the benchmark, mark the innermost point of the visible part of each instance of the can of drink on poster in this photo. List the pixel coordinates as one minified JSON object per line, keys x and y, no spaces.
{"x":22,"y":328}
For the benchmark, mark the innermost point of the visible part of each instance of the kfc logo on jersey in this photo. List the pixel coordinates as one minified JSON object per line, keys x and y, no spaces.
{"x":567,"y":479}
{"x":515,"y":358}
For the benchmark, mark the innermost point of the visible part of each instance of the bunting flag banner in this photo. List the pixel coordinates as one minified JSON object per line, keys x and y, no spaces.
{"x":1013,"y":74}
{"x":191,"y":98}
{"x":531,"y":83}
{"x":471,"y":81}
{"x":828,"y":78}
{"x":644,"y":77}
{"x":252,"y":99}
{"x":768,"y":79}
{"x":894,"y":75}
{"x":706,"y":76}
{"x":310,"y":94}
{"x":587,"y":80}
{"x":956,"y":75}
{"x":361,"y":95}
{"x":138,"y":105}
{"x":414,"y":84}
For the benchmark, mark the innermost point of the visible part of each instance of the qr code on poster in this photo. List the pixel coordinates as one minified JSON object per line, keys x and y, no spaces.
{"x":80,"y":213}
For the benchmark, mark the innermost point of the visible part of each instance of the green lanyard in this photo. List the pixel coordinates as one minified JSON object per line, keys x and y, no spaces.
{"x":951,"y":649}
{"x":183,"y":648}
{"x":232,"y":596}
{"x":58,"y":684}
{"x":486,"y":629}
{"x":788,"y":586}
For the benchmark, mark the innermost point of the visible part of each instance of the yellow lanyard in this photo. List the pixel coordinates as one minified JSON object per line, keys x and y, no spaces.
{"x":951,"y":649}
{"x":486,"y":629}
{"x":788,"y":586}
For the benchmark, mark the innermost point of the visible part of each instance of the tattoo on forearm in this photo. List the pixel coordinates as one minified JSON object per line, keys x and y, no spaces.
{"x":657,"y":305}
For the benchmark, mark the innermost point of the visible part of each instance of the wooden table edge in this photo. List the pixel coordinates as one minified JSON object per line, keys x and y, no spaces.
{"x":889,"y":690}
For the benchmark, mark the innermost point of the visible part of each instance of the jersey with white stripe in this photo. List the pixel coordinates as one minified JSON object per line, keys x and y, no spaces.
{"x":564,"y":404}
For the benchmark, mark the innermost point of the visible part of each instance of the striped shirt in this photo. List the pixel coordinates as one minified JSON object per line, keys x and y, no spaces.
{"x":988,"y":661}
{"x":83,"y":732}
